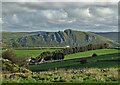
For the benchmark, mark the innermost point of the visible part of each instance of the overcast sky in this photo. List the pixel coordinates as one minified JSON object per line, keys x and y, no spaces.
{"x":55,"y":16}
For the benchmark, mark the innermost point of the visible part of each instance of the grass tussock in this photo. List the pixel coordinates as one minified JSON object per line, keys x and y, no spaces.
{"x":61,"y":75}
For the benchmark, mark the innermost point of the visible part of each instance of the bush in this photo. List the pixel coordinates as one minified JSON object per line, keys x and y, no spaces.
{"x":94,"y":55}
{"x":9,"y":55}
{"x":58,"y":56}
{"x":22,"y":61}
{"x":19,"y":60}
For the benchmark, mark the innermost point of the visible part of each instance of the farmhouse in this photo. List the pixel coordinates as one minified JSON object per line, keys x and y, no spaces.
{"x":67,"y":46}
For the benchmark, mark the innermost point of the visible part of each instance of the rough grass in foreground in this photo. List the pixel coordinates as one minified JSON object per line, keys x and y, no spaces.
{"x":92,"y":75}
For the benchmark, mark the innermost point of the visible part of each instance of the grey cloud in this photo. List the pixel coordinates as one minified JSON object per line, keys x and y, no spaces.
{"x":59,"y":16}
{"x":14,"y":7}
{"x":32,"y":6}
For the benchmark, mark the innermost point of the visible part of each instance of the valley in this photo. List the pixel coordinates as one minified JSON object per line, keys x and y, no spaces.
{"x":63,"y":56}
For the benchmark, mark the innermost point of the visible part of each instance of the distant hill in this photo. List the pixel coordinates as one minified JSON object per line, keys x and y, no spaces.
{"x":110,"y":35}
{"x":61,"y":38}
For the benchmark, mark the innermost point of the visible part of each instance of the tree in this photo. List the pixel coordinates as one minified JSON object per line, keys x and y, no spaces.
{"x":90,"y":47}
{"x":15,"y":44}
{"x":94,"y":47}
{"x":98,"y":46}
{"x":64,"y":51}
{"x":82,"y":49}
{"x":9,"y":54}
{"x":74,"y":50}
{"x":46,"y":55}
{"x":106,"y":45}
{"x":19,"y":60}
{"x":57,"y":56}
{"x":94,"y":55}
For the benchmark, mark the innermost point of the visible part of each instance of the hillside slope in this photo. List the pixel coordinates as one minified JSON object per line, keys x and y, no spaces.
{"x":61,"y":38}
{"x":111,"y":35}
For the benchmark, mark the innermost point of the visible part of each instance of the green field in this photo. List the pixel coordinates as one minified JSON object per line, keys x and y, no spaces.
{"x":89,"y":53}
{"x":33,"y":53}
{"x":99,"y":69}
{"x":75,"y":64}
{"x":36,"y":52}
{"x":70,"y":59}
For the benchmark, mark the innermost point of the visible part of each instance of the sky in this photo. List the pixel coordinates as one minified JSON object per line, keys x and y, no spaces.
{"x":25,"y":16}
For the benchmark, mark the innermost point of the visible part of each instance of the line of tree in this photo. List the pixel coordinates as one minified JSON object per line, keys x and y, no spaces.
{"x":50,"y":56}
{"x":59,"y":54}
{"x":66,"y":51}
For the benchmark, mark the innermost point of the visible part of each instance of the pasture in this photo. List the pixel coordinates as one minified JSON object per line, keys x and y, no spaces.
{"x":36,"y":52}
{"x":71,"y":61}
{"x":32,"y":53}
{"x":102,"y":68}
{"x":89,"y":53}
{"x":75,"y":63}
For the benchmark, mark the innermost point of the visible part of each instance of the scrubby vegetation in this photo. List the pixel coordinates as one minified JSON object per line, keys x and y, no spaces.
{"x":10,"y":67}
{"x":21,"y":61}
{"x":107,"y":75}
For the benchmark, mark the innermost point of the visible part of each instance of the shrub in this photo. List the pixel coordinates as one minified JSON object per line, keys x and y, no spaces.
{"x":58,"y":56}
{"x":94,"y":55}
{"x":19,"y":60}
{"x":22,"y":61}
{"x":9,"y":55}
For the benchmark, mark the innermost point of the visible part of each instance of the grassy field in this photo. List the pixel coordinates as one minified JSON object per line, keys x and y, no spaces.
{"x":36,"y":52}
{"x":33,"y":53}
{"x":100,"y":69}
{"x":75,"y":64}
{"x":89,"y":53}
